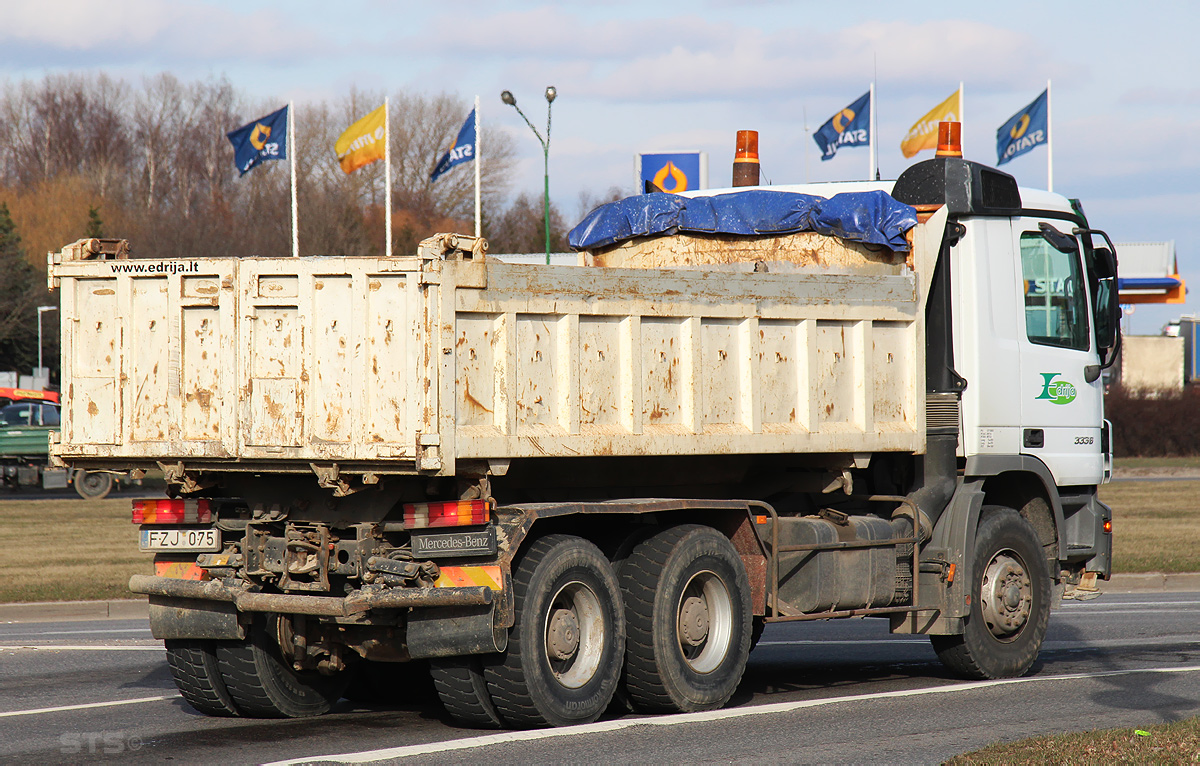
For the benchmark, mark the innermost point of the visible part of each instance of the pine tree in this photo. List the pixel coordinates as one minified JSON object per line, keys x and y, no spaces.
{"x":19,"y":294}
{"x":95,"y":227}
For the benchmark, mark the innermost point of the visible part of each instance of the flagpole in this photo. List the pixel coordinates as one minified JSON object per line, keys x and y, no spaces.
{"x":292,"y":159}
{"x":387,"y":180}
{"x":478,"y":162}
{"x":1049,"y":144}
{"x":871,"y":139}
{"x":962,"y":112}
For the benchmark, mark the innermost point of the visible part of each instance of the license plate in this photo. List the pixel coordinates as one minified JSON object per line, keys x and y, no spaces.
{"x":477,"y":542}
{"x":180,"y":539}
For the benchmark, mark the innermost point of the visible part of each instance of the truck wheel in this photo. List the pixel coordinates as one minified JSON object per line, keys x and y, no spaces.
{"x":93,"y":486}
{"x":687,"y":606}
{"x":463,"y":691}
{"x":264,"y":685}
{"x":1010,"y":601}
{"x":193,"y":664}
{"x":564,"y":653}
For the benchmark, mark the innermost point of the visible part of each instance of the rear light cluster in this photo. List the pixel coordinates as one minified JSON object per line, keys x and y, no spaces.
{"x":171,"y":512}
{"x":459,"y":513}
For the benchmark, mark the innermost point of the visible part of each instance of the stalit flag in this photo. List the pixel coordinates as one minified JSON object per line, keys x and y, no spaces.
{"x":259,"y":141}
{"x":923,"y":135}
{"x":849,"y":127}
{"x":462,"y":151}
{"x":363,"y":142}
{"x":1024,"y":130}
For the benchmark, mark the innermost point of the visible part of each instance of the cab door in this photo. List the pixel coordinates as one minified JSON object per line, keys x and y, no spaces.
{"x":1061,"y":409}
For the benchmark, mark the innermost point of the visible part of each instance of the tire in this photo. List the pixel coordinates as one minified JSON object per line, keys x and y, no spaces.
{"x":92,"y":485}
{"x":463,"y":691}
{"x":193,"y":664}
{"x":264,"y":685}
{"x":564,"y":655}
{"x":1010,"y":601}
{"x":687,"y":608}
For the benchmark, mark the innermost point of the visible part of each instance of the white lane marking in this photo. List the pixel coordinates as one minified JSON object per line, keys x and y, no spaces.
{"x":80,"y":648}
{"x":1091,"y":612}
{"x":88,"y":706}
{"x":73,"y":632}
{"x":1132,"y":603}
{"x":849,"y":642}
{"x":368,"y":756}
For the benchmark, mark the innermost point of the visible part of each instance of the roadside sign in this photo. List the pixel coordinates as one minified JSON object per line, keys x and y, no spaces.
{"x":672,"y":172}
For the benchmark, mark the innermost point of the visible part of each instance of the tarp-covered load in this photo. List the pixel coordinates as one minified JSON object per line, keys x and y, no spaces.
{"x":872,"y":218}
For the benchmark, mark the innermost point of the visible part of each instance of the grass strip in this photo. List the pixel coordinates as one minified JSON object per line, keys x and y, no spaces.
{"x":1171,"y":743}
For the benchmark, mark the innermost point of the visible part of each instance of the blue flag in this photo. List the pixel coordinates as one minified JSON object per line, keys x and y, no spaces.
{"x":849,"y":127}
{"x":462,"y":151}
{"x":261,"y":140}
{"x":1024,"y":130}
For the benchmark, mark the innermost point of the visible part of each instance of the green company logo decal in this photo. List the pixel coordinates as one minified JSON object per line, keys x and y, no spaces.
{"x":1057,"y":391}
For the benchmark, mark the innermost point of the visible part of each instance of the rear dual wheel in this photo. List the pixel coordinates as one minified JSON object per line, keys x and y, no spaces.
{"x":687,"y":606}
{"x":262,"y":684}
{"x":564,"y":655}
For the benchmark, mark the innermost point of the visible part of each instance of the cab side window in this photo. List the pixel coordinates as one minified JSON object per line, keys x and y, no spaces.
{"x":1055,"y":298}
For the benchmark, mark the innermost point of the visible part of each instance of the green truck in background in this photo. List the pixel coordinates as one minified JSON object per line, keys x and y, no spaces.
{"x":26,"y":419}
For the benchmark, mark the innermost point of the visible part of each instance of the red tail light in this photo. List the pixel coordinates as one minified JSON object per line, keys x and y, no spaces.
{"x":459,"y":513}
{"x":171,"y":512}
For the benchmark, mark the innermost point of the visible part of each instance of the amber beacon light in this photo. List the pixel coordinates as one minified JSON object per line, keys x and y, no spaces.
{"x":745,"y":159}
{"x":949,"y":139}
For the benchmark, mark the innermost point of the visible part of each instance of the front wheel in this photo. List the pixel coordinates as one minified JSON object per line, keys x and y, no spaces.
{"x":1010,"y":601}
{"x":687,"y":605}
{"x":563,"y":660}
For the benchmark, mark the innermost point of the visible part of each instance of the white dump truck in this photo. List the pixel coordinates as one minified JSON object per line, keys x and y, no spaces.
{"x":549,"y":483}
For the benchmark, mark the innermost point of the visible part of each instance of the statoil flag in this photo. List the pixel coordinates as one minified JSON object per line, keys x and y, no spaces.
{"x":923,"y":134}
{"x":261,"y":140}
{"x":1024,"y":130}
{"x":672,"y":172}
{"x":363,"y":142}
{"x":462,"y":151}
{"x":849,"y":127}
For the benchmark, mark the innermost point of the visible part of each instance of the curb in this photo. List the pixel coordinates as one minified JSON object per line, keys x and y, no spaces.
{"x":1152,"y":582}
{"x":70,"y":611}
{"x":138,"y":609}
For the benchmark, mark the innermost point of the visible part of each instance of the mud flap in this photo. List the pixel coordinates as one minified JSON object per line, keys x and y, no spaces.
{"x":454,"y":630}
{"x":194,"y":618}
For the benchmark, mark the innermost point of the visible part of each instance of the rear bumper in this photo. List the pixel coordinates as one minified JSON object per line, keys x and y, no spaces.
{"x":357,"y":602}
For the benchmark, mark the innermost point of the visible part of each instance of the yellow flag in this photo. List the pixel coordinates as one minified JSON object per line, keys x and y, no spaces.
{"x":923,"y":135}
{"x":363,"y":142}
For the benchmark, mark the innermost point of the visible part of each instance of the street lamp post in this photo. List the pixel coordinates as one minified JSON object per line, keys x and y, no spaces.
{"x":42,"y":310}
{"x":551,"y":93}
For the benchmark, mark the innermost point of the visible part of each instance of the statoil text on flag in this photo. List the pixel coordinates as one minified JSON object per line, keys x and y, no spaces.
{"x":363,"y":142}
{"x":261,"y":140}
{"x":849,"y":127}
{"x":462,"y":151}
{"x":1024,"y":130}
{"x":923,"y":134}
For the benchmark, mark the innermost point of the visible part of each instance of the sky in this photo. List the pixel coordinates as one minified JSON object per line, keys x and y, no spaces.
{"x":649,"y":76}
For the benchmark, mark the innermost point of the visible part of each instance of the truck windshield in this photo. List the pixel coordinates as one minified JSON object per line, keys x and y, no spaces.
{"x":1055,"y":300}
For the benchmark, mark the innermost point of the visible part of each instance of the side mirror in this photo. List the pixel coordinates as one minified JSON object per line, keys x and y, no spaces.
{"x":1063,"y":243}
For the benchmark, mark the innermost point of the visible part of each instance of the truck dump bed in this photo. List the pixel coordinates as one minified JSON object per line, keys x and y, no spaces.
{"x":416,"y":363}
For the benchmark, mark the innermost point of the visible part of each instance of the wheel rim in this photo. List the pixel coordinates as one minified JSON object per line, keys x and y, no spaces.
{"x":1006,"y":595}
{"x":574,"y":634}
{"x":704,"y":622}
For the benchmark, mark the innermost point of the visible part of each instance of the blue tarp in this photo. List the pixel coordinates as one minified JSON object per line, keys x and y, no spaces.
{"x":872,"y":217}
